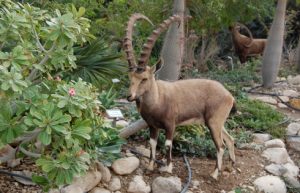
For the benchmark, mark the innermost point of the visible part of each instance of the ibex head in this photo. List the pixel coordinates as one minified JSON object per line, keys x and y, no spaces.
{"x":142,"y":76}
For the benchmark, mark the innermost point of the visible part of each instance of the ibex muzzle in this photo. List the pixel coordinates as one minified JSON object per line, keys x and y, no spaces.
{"x":163,"y":105}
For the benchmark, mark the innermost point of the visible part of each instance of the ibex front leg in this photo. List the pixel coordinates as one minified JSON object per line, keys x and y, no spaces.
{"x":169,"y":139}
{"x":153,"y":142}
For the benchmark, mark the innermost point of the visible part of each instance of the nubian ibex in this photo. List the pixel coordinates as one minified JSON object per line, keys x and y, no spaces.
{"x":163,"y":105}
{"x":246,"y":46}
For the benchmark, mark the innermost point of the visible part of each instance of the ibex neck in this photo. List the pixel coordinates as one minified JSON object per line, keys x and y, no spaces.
{"x":151,"y":97}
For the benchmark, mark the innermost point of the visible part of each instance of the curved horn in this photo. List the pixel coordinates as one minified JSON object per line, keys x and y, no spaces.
{"x":249,"y":32}
{"x":147,"y":48}
{"x":128,"y":48}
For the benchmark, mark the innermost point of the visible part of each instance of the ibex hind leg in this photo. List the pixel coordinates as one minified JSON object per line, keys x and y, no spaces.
{"x":216,"y":132}
{"x":230,"y":144}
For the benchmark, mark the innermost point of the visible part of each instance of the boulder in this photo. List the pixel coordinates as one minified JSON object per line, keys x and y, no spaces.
{"x":282,"y":105}
{"x":276,"y":155}
{"x":270,"y":184}
{"x":166,"y":185}
{"x":274,"y":143}
{"x":143,"y":150}
{"x":115,"y":184}
{"x":126,"y":165}
{"x":137,"y":185}
{"x":260,"y":138}
{"x":294,"y":142}
{"x":293,"y":129}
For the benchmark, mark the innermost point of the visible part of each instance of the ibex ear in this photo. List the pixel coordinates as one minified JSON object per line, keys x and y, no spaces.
{"x":158,"y":66}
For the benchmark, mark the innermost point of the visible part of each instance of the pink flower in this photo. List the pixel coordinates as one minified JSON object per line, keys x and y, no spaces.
{"x":72,"y":91}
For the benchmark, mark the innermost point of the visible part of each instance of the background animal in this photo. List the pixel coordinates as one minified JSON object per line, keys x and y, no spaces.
{"x":246,"y":46}
{"x":163,"y":105}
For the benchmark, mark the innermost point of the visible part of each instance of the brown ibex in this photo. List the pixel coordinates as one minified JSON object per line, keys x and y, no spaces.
{"x":246,"y":46}
{"x":163,"y":105}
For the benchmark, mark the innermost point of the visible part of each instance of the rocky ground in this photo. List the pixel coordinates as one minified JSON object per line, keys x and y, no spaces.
{"x":266,"y":165}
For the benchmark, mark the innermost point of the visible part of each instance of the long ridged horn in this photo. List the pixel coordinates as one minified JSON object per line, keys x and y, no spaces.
{"x":128,"y":48}
{"x":248,"y":31}
{"x":147,"y":48}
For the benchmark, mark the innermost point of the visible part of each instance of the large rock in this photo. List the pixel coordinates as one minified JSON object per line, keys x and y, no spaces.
{"x":270,"y":184}
{"x":99,"y":190}
{"x":166,"y":185}
{"x":126,"y":165}
{"x":294,"y":143}
{"x":293,"y":129}
{"x":115,"y":184}
{"x":276,"y":155}
{"x":260,"y":138}
{"x":143,"y":150}
{"x":7,"y":153}
{"x":138,"y":185}
{"x":84,"y":183}
{"x":284,"y":99}
{"x":276,"y":169}
{"x":274,"y":143}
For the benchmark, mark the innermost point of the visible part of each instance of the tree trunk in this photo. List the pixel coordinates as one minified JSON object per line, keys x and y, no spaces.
{"x":298,"y":56}
{"x":273,"y":51}
{"x":133,"y":128}
{"x":191,"y":42}
{"x":173,"y":47}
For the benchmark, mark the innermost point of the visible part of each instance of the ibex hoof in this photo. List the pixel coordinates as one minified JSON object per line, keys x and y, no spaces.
{"x":151,"y":166}
{"x":215,"y":174}
{"x":167,"y":168}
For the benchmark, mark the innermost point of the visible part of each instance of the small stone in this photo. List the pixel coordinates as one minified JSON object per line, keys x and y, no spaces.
{"x":293,"y":129}
{"x":260,"y":138}
{"x":143,"y":150}
{"x":276,"y":169}
{"x":115,"y":184}
{"x":137,"y":185}
{"x":291,"y":169}
{"x":294,"y":143}
{"x":284,"y":99}
{"x":292,"y":181}
{"x":99,"y":190}
{"x":13,"y":163}
{"x":166,"y":185}
{"x":195,"y":183}
{"x":125,"y":165}
{"x":270,"y":184}
{"x":267,"y":99}
{"x":276,"y":155}
{"x":290,"y":93}
{"x":105,"y":172}
{"x":294,"y":80}
{"x":122,"y":123}
{"x":281,"y":105}
{"x":7,"y":153}
{"x":274,"y":143}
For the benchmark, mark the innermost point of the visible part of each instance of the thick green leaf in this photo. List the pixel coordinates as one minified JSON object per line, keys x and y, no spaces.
{"x":44,"y":137}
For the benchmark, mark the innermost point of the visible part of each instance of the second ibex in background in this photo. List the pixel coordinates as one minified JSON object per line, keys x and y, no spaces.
{"x":163,"y":105}
{"x":246,"y":46}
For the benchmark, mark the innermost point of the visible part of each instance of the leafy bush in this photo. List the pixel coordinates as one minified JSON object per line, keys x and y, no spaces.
{"x":65,"y":116}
